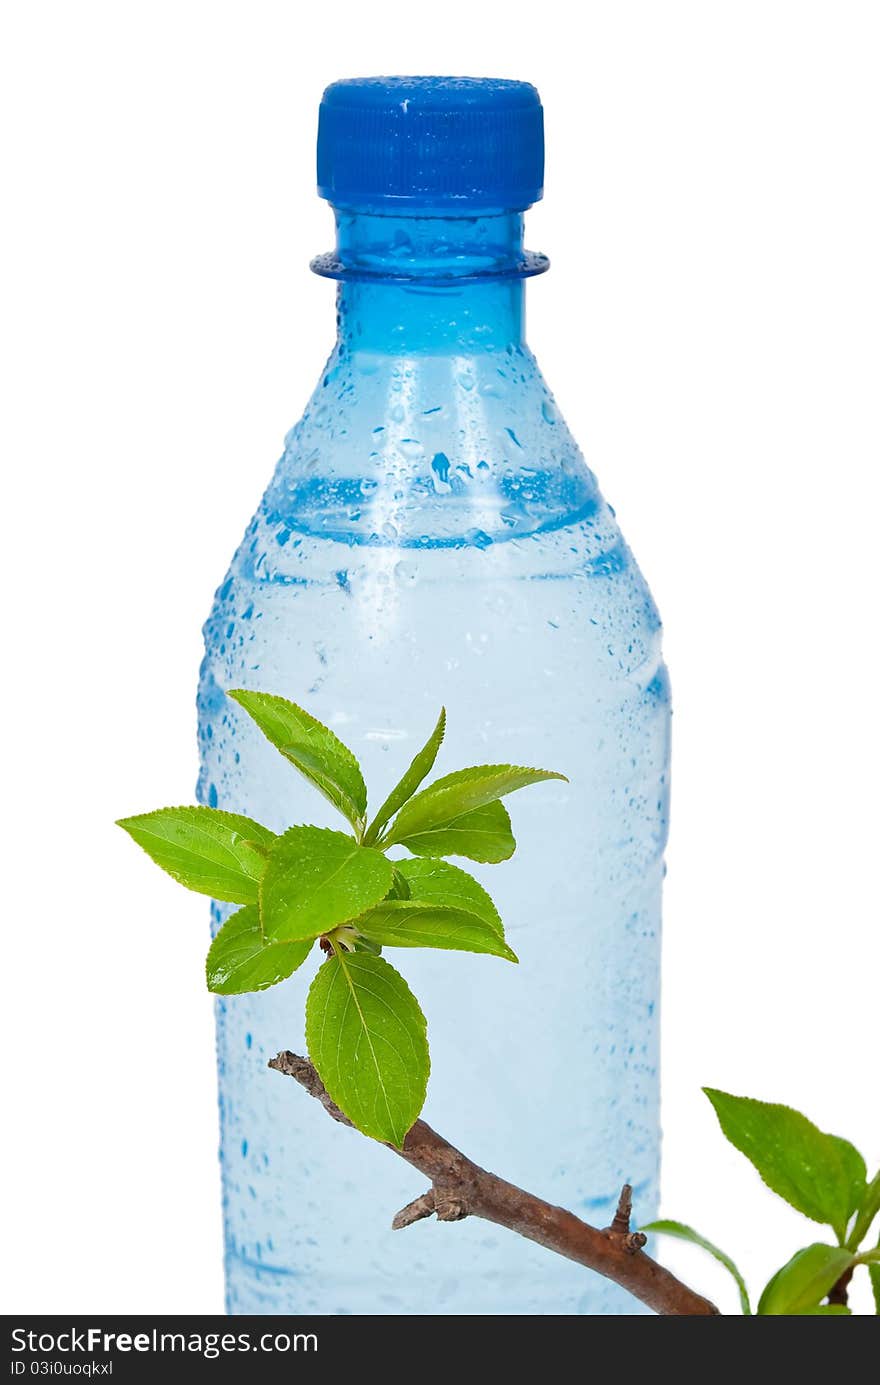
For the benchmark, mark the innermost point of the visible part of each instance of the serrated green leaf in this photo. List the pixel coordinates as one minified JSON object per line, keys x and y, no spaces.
{"x":419,"y":769}
{"x":855,"y":1172}
{"x":407,"y":923}
{"x":483,"y":835}
{"x":367,"y":1037}
{"x":240,"y":959}
{"x":795,"y":1159}
{"x":311,"y":747}
{"x":215,"y":853}
{"x":804,"y":1281}
{"x":687,"y":1233}
{"x":437,"y":882}
{"x":868,"y":1209}
{"x":316,"y":879}
{"x":464,"y":791}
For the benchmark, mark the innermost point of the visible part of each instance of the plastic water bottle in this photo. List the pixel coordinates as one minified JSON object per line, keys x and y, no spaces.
{"x":432,"y":535}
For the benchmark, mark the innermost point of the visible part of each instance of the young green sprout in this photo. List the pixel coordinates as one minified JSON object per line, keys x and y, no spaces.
{"x":365,"y":1031}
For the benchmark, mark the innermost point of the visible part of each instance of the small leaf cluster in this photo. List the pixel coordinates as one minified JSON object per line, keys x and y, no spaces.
{"x":822,"y":1176}
{"x":365,"y":1031}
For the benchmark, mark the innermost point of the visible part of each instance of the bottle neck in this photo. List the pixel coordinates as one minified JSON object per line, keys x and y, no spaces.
{"x":431,"y":284}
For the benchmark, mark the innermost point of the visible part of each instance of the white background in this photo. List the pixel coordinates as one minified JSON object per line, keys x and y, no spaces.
{"x":710,"y":329}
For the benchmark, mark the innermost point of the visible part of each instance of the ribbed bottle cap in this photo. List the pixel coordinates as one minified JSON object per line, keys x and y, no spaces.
{"x":445,"y":143}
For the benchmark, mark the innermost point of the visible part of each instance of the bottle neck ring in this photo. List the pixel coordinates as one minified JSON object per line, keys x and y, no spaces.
{"x":428,"y":249}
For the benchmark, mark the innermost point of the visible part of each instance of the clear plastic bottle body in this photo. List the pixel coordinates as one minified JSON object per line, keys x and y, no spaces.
{"x":432,"y":535}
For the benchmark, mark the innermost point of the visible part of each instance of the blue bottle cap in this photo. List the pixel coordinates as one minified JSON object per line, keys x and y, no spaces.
{"x":447,"y":144}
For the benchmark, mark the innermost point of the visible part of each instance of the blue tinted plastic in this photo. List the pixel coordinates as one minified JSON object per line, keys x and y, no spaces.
{"x":432,"y":535}
{"x":386,"y":143}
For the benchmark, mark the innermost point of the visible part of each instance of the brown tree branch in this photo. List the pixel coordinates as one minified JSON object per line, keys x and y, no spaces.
{"x":460,"y":1188}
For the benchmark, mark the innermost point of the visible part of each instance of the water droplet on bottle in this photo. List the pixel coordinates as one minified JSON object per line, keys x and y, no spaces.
{"x":479,"y":538}
{"x":440,"y":466}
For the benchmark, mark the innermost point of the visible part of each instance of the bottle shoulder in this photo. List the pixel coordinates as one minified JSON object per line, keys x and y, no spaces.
{"x":416,"y":466}
{"x":431,"y":450}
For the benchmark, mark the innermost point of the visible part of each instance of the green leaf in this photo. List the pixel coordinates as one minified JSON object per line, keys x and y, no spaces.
{"x":464,"y":791}
{"x":399,"y":887}
{"x":855,"y":1171}
{"x":795,"y":1159}
{"x":367,"y":1037}
{"x":316,"y":879}
{"x":418,"y":770}
{"x":874,"y":1272}
{"x":687,"y":1233}
{"x":312,"y":748}
{"x":802,"y":1283}
{"x":437,"y":882}
{"x":362,"y":944}
{"x":239,"y":958}
{"x":406,"y":923}
{"x":868,"y":1209}
{"x":482,"y":835}
{"x":219,"y":854}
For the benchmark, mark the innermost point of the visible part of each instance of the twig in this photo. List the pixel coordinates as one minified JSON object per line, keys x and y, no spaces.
{"x":422,"y":1206}
{"x":460,"y":1188}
